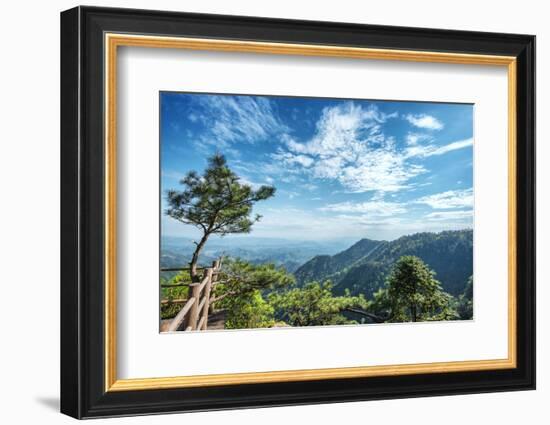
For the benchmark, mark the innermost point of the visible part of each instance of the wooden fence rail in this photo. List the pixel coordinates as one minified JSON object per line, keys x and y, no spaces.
{"x":179,"y":269}
{"x":194,"y":314}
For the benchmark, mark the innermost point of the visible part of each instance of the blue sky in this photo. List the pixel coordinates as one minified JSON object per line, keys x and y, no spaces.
{"x":342,"y":168}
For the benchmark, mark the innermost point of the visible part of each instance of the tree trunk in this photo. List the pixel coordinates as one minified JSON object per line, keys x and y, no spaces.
{"x":195,"y":259}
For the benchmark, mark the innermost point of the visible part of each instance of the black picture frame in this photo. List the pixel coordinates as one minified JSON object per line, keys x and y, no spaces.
{"x":83,"y":392}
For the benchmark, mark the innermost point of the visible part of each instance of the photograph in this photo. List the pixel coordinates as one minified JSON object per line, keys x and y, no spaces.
{"x":282,"y":212}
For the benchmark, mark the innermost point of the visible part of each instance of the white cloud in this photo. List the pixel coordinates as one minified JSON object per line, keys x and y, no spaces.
{"x":229,"y":119}
{"x":349,"y":146}
{"x":450,"y":215}
{"x":292,"y":144}
{"x":291,"y":223}
{"x":373,"y":208}
{"x":253,"y":184}
{"x":424,"y":121}
{"x":294,"y":223}
{"x":413,"y":138}
{"x":344,"y":126}
{"x":377,"y":222}
{"x":172,"y":174}
{"x":309,"y":186}
{"x":430,"y":150}
{"x":291,"y":194}
{"x":289,"y":158}
{"x":383,"y":171}
{"x":452,"y":147}
{"x":449,"y":199}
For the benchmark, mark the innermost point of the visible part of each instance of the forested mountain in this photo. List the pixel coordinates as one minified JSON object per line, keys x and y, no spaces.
{"x":336,"y":266}
{"x":363,"y":267}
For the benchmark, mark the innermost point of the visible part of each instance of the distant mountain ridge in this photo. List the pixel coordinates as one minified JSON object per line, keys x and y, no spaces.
{"x":363,"y":268}
{"x":291,"y":254}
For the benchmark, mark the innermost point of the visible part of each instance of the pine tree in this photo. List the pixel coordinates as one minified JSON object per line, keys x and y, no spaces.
{"x":216,"y":203}
{"x":414,"y":293}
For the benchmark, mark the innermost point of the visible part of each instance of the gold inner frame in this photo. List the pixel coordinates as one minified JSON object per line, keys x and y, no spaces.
{"x":113,"y":41}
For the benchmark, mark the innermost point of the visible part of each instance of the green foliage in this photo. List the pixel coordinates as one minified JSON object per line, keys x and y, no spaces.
{"x":415,"y":295}
{"x":239,"y":292}
{"x":465,"y":304}
{"x":313,"y":305}
{"x":364,"y":279}
{"x":167,"y":311}
{"x":248,"y":311}
{"x":381,"y":303}
{"x":240,"y":278}
{"x":177,"y":292}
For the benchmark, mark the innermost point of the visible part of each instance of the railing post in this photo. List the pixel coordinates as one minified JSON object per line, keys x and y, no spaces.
{"x":194,"y":291}
{"x":216,"y":266}
{"x":207,"y":290}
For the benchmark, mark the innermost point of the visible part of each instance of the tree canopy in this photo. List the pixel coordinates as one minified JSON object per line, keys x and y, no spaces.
{"x":313,"y":305}
{"x":414,"y":293}
{"x":239,"y":292}
{"x":215,"y":202}
{"x":239,"y":277}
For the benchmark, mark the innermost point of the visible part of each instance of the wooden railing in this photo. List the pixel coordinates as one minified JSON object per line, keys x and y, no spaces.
{"x":194,"y":314}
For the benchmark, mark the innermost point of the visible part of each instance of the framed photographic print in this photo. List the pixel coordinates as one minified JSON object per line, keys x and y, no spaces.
{"x":261,"y":212}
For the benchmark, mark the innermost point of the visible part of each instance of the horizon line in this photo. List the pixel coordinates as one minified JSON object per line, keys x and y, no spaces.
{"x":323,"y":240}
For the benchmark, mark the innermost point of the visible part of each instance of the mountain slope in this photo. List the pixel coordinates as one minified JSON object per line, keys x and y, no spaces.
{"x":324,"y":267}
{"x":364,"y":267}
